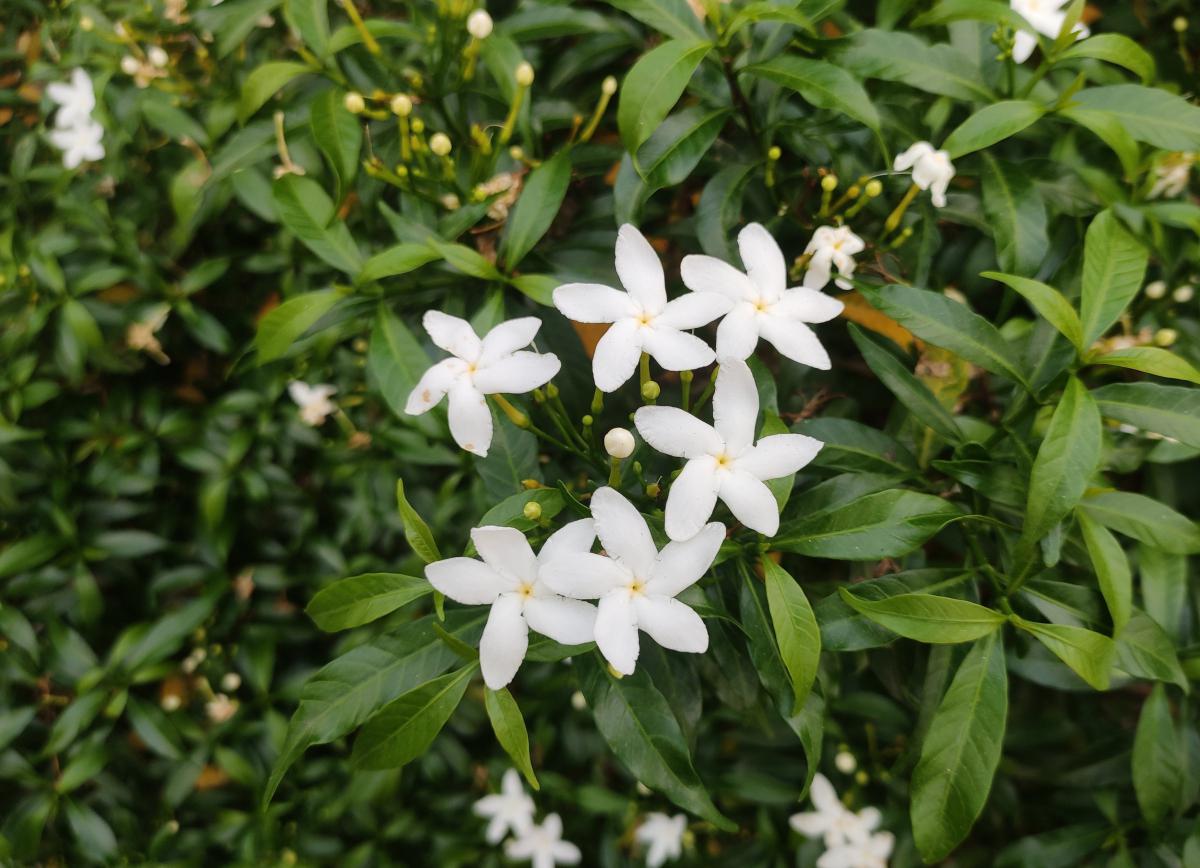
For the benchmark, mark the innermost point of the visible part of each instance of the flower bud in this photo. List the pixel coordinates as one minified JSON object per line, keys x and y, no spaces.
{"x":532,"y":510}
{"x":401,"y":105}
{"x":578,"y":701}
{"x":157,"y":56}
{"x":130,"y":65}
{"x":653,"y":489}
{"x":609,"y":85}
{"x":87,"y":24}
{"x":845,"y":762}
{"x":1183,"y":294}
{"x":418,"y":126}
{"x":587,"y":421}
{"x":619,"y":443}
{"x":530,"y":484}
{"x":874,"y":188}
{"x":862,"y":778}
{"x":231,"y":682}
{"x":1180,"y":24}
{"x":1156,"y":289}
{"x":171,"y":702}
{"x":651,"y":391}
{"x":524,"y":74}
{"x":829,"y":183}
{"x":517,"y":152}
{"x":479,"y":24}
{"x":354,"y":102}
{"x":1165,"y":337}
{"x":440,"y":144}
{"x":774,"y":153}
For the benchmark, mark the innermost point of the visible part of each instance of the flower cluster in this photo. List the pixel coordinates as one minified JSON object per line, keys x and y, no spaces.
{"x":850,"y":837}
{"x":76,"y":133}
{"x":511,"y":811}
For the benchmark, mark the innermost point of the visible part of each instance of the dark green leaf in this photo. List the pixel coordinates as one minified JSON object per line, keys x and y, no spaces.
{"x":653,"y":86}
{"x":883,"y":525}
{"x":541,"y":197}
{"x":509,"y":726}
{"x":1156,"y":763}
{"x":406,"y":727}
{"x":358,"y":600}
{"x":929,"y":618}
{"x":796,"y":630}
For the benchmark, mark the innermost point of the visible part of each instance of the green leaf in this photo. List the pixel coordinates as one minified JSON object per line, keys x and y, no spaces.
{"x":1051,"y":304}
{"x":928,"y":618}
{"x":397,"y":260}
{"x":509,"y":726}
{"x":653,"y":86}
{"x":74,"y":720}
{"x":264,"y":82}
{"x":844,"y":629}
{"x":673,"y":18}
{"x":309,"y":214}
{"x":396,"y":360}
{"x":511,"y":510}
{"x":859,"y":448}
{"x":33,"y":551}
{"x":796,"y":630}
{"x":405,"y":728}
{"x":1112,"y":569}
{"x":92,"y":833}
{"x":638,"y":724}
{"x":465,"y":259}
{"x":166,"y":635}
{"x":511,"y":459}
{"x":1173,"y":411}
{"x":994,"y":11}
{"x":1150,"y":360}
{"x":1089,"y":654}
{"x":883,"y":525}
{"x":1144,"y":650}
{"x":280,"y":328}
{"x":991,"y":124}
{"x":1113,"y":48}
{"x":539,"y":287}
{"x":338,"y":134}
{"x":541,"y":197}
{"x":1108,"y":128}
{"x":1147,"y":114}
{"x":358,"y":600}
{"x":1164,"y":584}
{"x":961,"y":752}
{"x":1114,"y":263}
{"x":822,"y":84}
{"x":892,"y":55}
{"x":1016,"y":214}
{"x":1145,"y":519}
{"x":720,"y":209}
{"x":678,"y":145}
{"x":416,"y":531}
{"x":1156,"y":766}
{"x":310,"y":19}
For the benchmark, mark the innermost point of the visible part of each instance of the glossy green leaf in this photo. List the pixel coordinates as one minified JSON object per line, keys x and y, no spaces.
{"x":358,"y":600}
{"x":1089,"y":654}
{"x":1173,"y":411}
{"x":991,"y":124}
{"x":310,"y":18}
{"x":509,"y":726}
{"x":883,"y":525}
{"x":679,"y":143}
{"x":405,"y":728}
{"x":1150,"y":360}
{"x":892,"y":55}
{"x":1113,"y":48}
{"x":1145,"y":519}
{"x":673,"y":18}
{"x":853,"y":446}
{"x":465,"y":259}
{"x":1157,"y":771}
{"x":1048,"y":302}
{"x":1111,"y":567}
{"x":280,"y":328}
{"x":397,"y":260}
{"x":653,"y":86}
{"x":308,"y":212}
{"x":1114,"y":263}
{"x":927,"y":617}
{"x":264,"y":82}
{"x":339,"y":135}
{"x":1016,"y":214}
{"x":1145,"y":650}
{"x":416,"y":531}
{"x":843,"y":628}
{"x":796,"y":629}
{"x":541,"y":197}
{"x":821,"y":84}
{"x":1148,"y":114}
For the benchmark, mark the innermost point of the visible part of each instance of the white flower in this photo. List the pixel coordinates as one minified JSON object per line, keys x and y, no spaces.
{"x":619,"y":443}
{"x":869,"y":852}
{"x":763,"y":306}
{"x":479,"y":24}
{"x":931,"y":169}
{"x":832,"y":821}
{"x":1044,"y":16}
{"x":80,"y":143}
{"x":642,"y":318}
{"x":313,"y":401}
{"x":662,"y":835}
{"x":512,"y":580}
{"x":478,"y":368}
{"x":845,"y":762}
{"x":510,"y":810}
{"x":831,"y":247}
{"x":1171,"y":175}
{"x":76,"y":99}
{"x":157,"y":56}
{"x":636,"y":584}
{"x":723,"y":461}
{"x":543,"y":845}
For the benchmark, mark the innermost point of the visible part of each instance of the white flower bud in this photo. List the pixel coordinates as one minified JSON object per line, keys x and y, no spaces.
{"x":524,"y":74}
{"x":401,"y":105}
{"x":578,"y":701}
{"x":157,"y":56}
{"x":619,"y":443}
{"x":845,"y":762}
{"x":440,"y":144}
{"x":231,"y":682}
{"x":1156,"y":289}
{"x":1183,"y":294}
{"x":130,"y":65}
{"x":171,"y":702}
{"x":609,"y":85}
{"x":354,"y":102}
{"x":479,"y":24}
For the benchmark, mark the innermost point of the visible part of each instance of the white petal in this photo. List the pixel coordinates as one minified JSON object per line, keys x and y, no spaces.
{"x":593,"y":302}
{"x":300,"y":392}
{"x":735,"y":405}
{"x":683,"y":563}
{"x":674,"y":432}
{"x":906,"y":159}
{"x":508,"y":337}
{"x":676,"y":350}
{"x":470,"y":418}
{"x":623,"y":532}
{"x":694,"y":310}
{"x":616,"y":356}
{"x":467,"y":581}
{"x":817,"y":275}
{"x":763,"y":260}
{"x":452,"y":334}
{"x":824,"y":796}
{"x":640,"y":270}
{"x":519,"y":849}
{"x":709,"y":274}
{"x":810,"y":824}
{"x":750,"y":501}
{"x":571,"y":622}
{"x":671,"y":624}
{"x":516,"y":374}
{"x":616,"y":631}
{"x":807,"y":305}
{"x":1023,"y":46}
{"x":433,"y":385}
{"x":737,"y":335}
{"x":779,"y":455}
{"x":840,"y":857}
{"x":511,"y":784}
{"x":583,"y":576}
{"x":506,"y":551}
{"x":573,"y":538}
{"x":691,"y":498}
{"x":796,"y":341}
{"x":565,"y":853}
{"x":504,"y":642}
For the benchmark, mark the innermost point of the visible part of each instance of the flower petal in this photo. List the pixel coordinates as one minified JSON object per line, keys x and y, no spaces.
{"x":735,"y":405}
{"x":796,"y":341}
{"x":573,"y":538}
{"x":506,"y":551}
{"x":750,"y":501}
{"x":470,"y":418}
{"x":640,"y":270}
{"x":593,"y":302}
{"x":709,"y":274}
{"x":817,"y":275}
{"x":737,"y":335}
{"x":807,"y":305}
{"x":433,"y":385}
{"x":671,"y":624}
{"x":674,"y":432}
{"x":452,"y":334}
{"x":623,"y":532}
{"x":571,"y":622}
{"x":691,"y":498}
{"x":504,"y":642}
{"x":779,"y":455}
{"x":508,"y":337}
{"x":516,"y":374}
{"x":681,"y":564}
{"x":616,"y":356}
{"x":676,"y":350}
{"x":617,"y":632}
{"x":824,"y":796}
{"x":466,"y":581}
{"x":583,"y":576}
{"x":763,"y":260}
{"x":693,"y":310}
{"x":1023,"y":46}
{"x":810,"y":824}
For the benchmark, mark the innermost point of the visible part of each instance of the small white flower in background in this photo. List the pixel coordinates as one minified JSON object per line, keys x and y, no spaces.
{"x":543,"y":845}
{"x":832,"y":247}
{"x":1044,"y":16}
{"x":642,"y":318}
{"x":635,"y":583}
{"x":510,"y":810}
{"x":313,"y":401}
{"x":1172,"y":175}
{"x":870,"y":852}
{"x":619,"y":443}
{"x":82,"y":143}
{"x":157,"y":56}
{"x":479,"y":367}
{"x":763,"y":306}
{"x":931,"y":169}
{"x":512,"y":580}
{"x":142,"y":334}
{"x":832,"y":821}
{"x":662,"y":836}
{"x":76,"y":99}
{"x":845,"y":762}
{"x":723,"y":461}
{"x":220,"y":708}
{"x":479,"y":24}
{"x":1183,"y":294}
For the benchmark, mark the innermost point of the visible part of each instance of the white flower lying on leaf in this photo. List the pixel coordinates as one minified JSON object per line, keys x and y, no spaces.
{"x":1044,"y":16}
{"x":636,"y":584}
{"x":511,"y":579}
{"x":870,"y":852}
{"x":1171,"y":175}
{"x":662,"y":836}
{"x":723,"y":461}
{"x":832,"y":247}
{"x":543,"y":845}
{"x":313,"y":401}
{"x":479,"y":367}
{"x":642,"y":318}
{"x":82,"y":143}
{"x":76,"y":99}
{"x":510,"y":810}
{"x":931,"y":169}
{"x":763,"y":306}
{"x":850,"y":838}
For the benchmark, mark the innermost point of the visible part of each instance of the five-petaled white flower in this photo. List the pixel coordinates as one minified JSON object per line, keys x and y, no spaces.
{"x":832,"y":821}
{"x":636,"y":584}
{"x":76,"y":99}
{"x":510,"y":810}
{"x":478,"y":368}
{"x":723,"y":461}
{"x":313,"y":401}
{"x":1044,"y":16}
{"x":931,"y":169}
{"x":763,"y":306}
{"x":543,"y":845}
{"x":832,"y":247}
{"x":642,"y":318}
{"x":512,"y":580}
{"x":81,"y":143}
{"x":871,"y":851}
{"x":662,"y":836}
